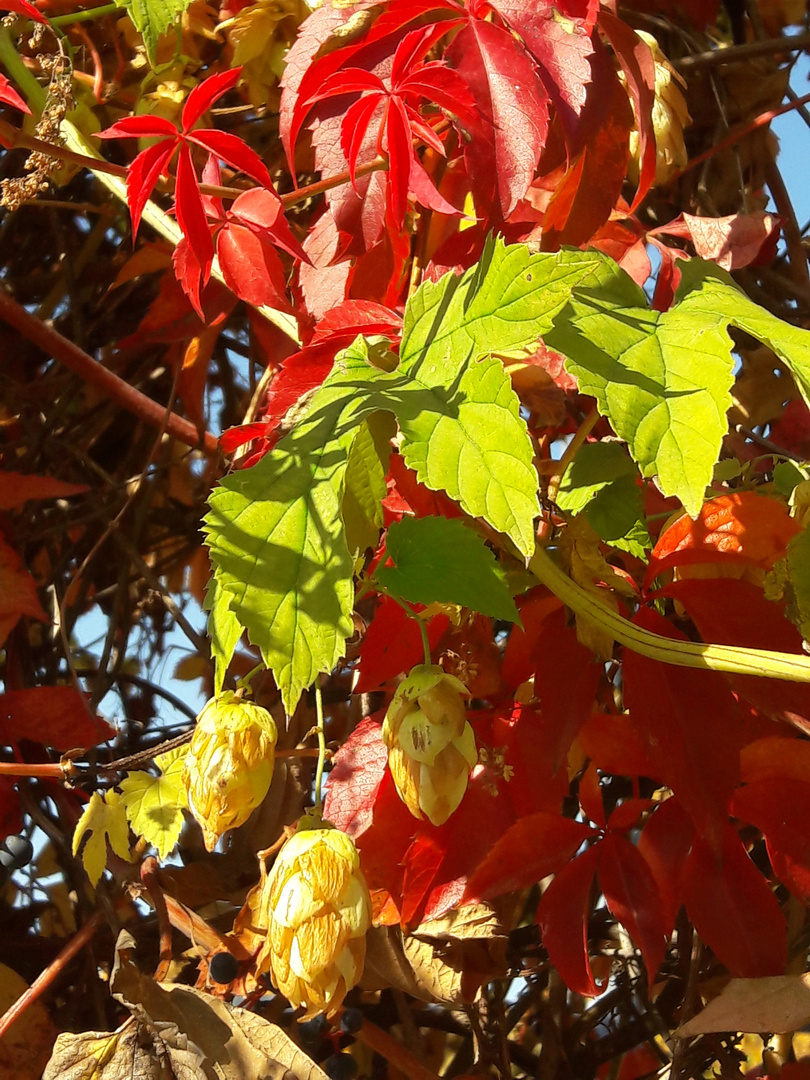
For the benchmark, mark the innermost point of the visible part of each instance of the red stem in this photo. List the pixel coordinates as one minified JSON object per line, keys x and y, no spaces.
{"x":740,"y":132}
{"x":51,"y":769}
{"x":75,"y":945}
{"x":93,"y":373}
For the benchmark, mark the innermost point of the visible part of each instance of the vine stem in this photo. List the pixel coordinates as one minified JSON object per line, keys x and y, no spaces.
{"x":582,"y":433}
{"x":95,"y":374}
{"x":41,"y":771}
{"x":51,"y":972}
{"x":321,"y":747}
{"x":728,"y":658}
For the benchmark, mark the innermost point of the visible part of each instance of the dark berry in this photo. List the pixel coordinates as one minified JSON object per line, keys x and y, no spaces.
{"x":223,"y":967}
{"x":340,"y":1067}
{"x":311,"y":1032}
{"x":351,"y":1021}
{"x":16,"y":852}
{"x":287,"y":1016}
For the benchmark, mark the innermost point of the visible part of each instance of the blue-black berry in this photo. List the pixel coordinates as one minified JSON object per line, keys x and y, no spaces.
{"x":16,"y":852}
{"x":351,"y":1021}
{"x":340,"y":1067}
{"x":311,"y":1032}
{"x":223,"y":967}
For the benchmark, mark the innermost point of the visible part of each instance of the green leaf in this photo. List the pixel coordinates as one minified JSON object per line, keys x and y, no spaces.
{"x":365,"y":482}
{"x":663,"y":380}
{"x":798,"y":583}
{"x":103,"y":819}
{"x":472,"y":443}
{"x":224,"y":629}
{"x":501,"y":305}
{"x":601,"y":484}
{"x":155,"y":804}
{"x":153,"y":18}
{"x":442,"y":560}
{"x":277,"y":539}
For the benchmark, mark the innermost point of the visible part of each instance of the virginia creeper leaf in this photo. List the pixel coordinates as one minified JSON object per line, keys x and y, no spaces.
{"x":55,"y":716}
{"x":563,"y":914}
{"x":441,"y":561}
{"x":798,"y":583}
{"x":224,"y":629}
{"x":365,"y":483}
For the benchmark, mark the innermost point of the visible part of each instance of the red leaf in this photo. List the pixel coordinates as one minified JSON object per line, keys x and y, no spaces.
{"x":251,"y":267}
{"x":728,"y":611}
{"x":10,"y":809}
{"x":54,"y":716}
{"x":204,"y":94}
{"x":10,"y":96}
{"x":189,"y":273}
{"x":400,"y":153}
{"x":561,"y":46}
{"x":140,"y":127}
{"x":393,"y":645}
{"x":741,"y":527}
{"x":774,"y":756}
{"x":233,"y":150}
{"x":613,"y":743}
{"x":357,"y":771}
{"x":734,"y":910}
{"x":780,"y":808}
{"x":18,"y":592}
{"x":632,"y":895}
{"x":23,"y":7}
{"x":142,"y":175}
{"x":665,"y":843}
{"x":669,"y":706}
{"x":535,"y":846}
{"x":733,"y":242}
{"x":591,"y":187}
{"x":628,"y":248}
{"x":518,"y":659}
{"x":502,"y":80}
{"x":191,"y":215}
{"x":420,"y":866}
{"x":636,"y":59}
{"x":17,"y":488}
{"x":563,"y":915}
{"x":358,"y":317}
{"x":569,"y":701}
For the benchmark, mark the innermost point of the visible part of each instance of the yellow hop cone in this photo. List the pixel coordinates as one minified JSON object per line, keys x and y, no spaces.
{"x":316,"y":909}
{"x":431,"y":746}
{"x":669,"y":117}
{"x":229,"y":764}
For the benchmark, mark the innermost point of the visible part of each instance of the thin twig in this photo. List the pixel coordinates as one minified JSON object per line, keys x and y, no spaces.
{"x":735,"y":54}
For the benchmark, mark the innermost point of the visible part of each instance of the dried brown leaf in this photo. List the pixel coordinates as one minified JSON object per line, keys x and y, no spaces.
{"x":777,"y":1004}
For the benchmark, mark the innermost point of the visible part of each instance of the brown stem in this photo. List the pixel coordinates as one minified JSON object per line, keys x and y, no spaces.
{"x":96,"y":375}
{"x":735,"y":53}
{"x":54,"y":969}
{"x":393,"y":1052}
{"x":790,"y":226}
{"x":45,"y":770}
{"x":149,"y":878}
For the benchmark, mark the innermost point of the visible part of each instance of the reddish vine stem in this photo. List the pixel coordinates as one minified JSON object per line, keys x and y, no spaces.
{"x":149,"y":879}
{"x":393,"y":1052}
{"x":41,"y":771}
{"x":740,"y":132}
{"x":96,"y":375}
{"x":55,"y":968}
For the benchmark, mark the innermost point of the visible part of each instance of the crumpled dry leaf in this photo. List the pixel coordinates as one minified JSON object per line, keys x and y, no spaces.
{"x":777,"y":1004}
{"x":581,"y":553}
{"x":444,"y":960}
{"x":201,"y":1037}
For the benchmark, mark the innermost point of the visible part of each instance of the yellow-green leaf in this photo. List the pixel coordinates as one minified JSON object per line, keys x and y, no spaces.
{"x":155,"y":804}
{"x":104,"y":819}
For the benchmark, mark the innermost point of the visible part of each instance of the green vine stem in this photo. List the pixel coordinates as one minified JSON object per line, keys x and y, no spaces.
{"x":321,"y":748}
{"x":728,"y":658}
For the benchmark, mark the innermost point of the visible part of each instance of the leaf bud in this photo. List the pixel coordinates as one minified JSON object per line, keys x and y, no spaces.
{"x":315,"y":907}
{"x":229,"y":765}
{"x":431,"y":746}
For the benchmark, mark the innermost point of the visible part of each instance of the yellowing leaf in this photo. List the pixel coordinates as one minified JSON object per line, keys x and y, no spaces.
{"x":155,"y":804}
{"x":103,"y":819}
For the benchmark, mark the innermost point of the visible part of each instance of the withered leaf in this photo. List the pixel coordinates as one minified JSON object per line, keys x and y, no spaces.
{"x":777,"y":1004}
{"x":127,"y":1054}
{"x":228,"y":1042}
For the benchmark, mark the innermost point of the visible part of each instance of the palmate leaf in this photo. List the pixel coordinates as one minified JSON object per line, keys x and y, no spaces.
{"x":664,"y":380}
{"x":155,"y":804}
{"x":153,"y":18}
{"x":103,"y":819}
